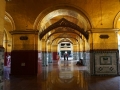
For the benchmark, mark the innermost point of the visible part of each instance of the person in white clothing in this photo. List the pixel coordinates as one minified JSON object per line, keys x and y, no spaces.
{"x":8,"y":60}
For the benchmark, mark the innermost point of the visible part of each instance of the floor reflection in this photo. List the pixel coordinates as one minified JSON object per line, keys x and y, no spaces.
{"x":64,"y":76}
{"x":6,"y":73}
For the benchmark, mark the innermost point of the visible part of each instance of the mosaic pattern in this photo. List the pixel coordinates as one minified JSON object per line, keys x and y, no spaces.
{"x":1,"y":68}
{"x":44,"y":59}
{"x":49,"y":57}
{"x":106,"y":63}
{"x":88,"y":61}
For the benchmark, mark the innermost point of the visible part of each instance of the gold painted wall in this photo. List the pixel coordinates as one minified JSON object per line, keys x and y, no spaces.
{"x":81,"y":47}
{"x":75,"y":48}
{"x":87,"y":46}
{"x":24,"y":12}
{"x":54,"y":48}
{"x":30,"y":44}
{"x":105,"y":43}
{"x":39,"y":45}
{"x":43,"y":45}
{"x":7,"y":41}
{"x":101,"y":14}
{"x":49,"y":47}
{"x":2,"y":14}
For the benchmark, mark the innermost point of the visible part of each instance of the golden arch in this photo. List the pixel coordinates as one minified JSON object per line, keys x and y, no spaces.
{"x":42,"y":15}
{"x":64,"y":23}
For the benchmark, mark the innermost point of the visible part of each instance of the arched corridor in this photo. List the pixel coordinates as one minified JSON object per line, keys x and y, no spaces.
{"x":59,"y":44}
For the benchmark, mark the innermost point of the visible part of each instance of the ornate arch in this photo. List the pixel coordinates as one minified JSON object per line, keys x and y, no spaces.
{"x":61,"y":6}
{"x":64,"y":32}
{"x":63,"y":23}
{"x":66,"y":39}
{"x":8,"y":16}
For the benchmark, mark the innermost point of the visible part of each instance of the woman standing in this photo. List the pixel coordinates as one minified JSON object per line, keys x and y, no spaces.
{"x":8,"y":60}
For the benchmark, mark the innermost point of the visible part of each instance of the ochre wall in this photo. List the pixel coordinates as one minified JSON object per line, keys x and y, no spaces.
{"x":105,"y":43}
{"x":29,"y":44}
{"x":25,"y":12}
{"x":2,"y":13}
{"x":101,"y":14}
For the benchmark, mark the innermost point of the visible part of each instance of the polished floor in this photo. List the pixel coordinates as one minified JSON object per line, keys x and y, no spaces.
{"x":62,"y":75}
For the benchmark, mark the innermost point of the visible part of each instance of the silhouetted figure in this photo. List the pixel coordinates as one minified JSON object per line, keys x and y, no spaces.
{"x":58,"y":58}
{"x":64,"y":56}
{"x":80,"y":62}
{"x":67,"y":56}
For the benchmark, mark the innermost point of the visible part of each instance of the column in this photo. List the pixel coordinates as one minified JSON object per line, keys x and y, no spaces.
{"x":54,"y":52}
{"x":79,"y":52}
{"x":49,"y":53}
{"x":2,"y":15}
{"x":24,"y":55}
{"x":74,"y":52}
{"x":44,"y":53}
{"x":84,"y":53}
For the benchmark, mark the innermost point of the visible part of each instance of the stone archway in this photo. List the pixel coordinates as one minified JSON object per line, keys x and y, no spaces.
{"x":78,"y":13}
{"x":50,"y":21}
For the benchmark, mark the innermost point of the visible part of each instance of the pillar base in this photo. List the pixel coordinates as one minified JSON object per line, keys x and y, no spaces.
{"x":1,"y":67}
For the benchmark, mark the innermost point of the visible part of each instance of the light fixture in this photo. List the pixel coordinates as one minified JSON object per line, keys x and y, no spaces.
{"x":9,"y":45}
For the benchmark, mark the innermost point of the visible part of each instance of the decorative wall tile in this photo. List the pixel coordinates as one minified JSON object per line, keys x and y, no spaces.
{"x":75,"y":56}
{"x":44,"y":59}
{"x":88,"y":62}
{"x":49,"y":57}
{"x":106,"y":63}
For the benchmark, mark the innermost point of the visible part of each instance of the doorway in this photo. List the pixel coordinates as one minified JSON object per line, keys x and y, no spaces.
{"x":65,"y":47}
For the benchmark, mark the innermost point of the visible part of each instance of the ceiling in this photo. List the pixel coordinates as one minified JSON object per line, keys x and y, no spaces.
{"x":63,"y":25}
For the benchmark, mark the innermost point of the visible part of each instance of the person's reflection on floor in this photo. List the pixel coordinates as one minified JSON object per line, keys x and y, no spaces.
{"x":66,"y":63}
{"x":6,"y":73}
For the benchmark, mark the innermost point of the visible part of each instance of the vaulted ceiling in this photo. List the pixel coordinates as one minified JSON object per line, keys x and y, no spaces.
{"x":64,"y":25}
{"x":43,"y":14}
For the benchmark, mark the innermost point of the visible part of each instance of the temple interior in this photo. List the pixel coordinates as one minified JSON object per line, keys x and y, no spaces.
{"x":59,"y":44}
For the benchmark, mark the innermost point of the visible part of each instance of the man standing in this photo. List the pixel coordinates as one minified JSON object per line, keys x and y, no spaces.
{"x":64,"y":56}
{"x":67,"y":56}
